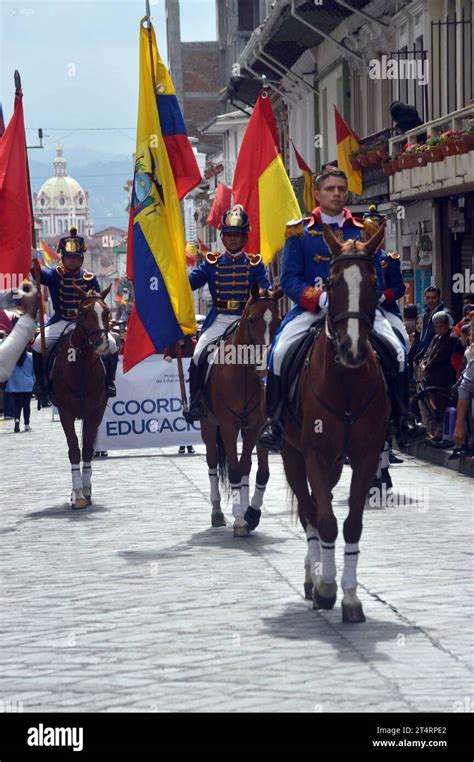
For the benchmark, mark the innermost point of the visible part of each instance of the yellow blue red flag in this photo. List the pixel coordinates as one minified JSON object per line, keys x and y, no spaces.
{"x":163,"y":310}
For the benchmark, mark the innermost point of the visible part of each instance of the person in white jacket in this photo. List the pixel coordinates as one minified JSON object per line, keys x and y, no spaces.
{"x":22,"y":333}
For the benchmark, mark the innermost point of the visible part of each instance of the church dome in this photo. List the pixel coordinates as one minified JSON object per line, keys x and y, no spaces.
{"x":61,"y":192}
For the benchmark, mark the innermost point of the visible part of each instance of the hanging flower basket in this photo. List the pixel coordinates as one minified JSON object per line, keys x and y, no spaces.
{"x":355,"y":163}
{"x":420,"y":159}
{"x":382,"y":152}
{"x":449,"y":148}
{"x":461,"y":145}
{"x":363,"y":160}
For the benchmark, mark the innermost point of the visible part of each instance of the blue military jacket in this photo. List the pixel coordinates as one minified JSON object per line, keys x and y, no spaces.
{"x":394,"y":286}
{"x":64,"y":297}
{"x":307,"y":260}
{"x":229,"y":279}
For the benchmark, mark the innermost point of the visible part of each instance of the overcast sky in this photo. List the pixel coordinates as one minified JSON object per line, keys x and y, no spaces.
{"x":79,"y":66}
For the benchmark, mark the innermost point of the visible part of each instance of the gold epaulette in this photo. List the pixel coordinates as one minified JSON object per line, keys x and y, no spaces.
{"x":253,"y":259}
{"x":393,"y":255}
{"x":61,"y":269}
{"x":294,"y":228}
{"x":211,"y":257}
{"x":87,"y":275}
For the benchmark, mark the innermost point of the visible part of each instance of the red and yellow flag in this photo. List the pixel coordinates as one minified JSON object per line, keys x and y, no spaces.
{"x":220,"y":205}
{"x":309,"y":197}
{"x":49,"y":256}
{"x":347,"y":142}
{"x":261,"y":183}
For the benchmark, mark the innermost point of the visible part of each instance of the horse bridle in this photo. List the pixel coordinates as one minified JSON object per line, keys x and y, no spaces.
{"x":247,"y":319}
{"x":90,"y":335}
{"x":332,"y":321}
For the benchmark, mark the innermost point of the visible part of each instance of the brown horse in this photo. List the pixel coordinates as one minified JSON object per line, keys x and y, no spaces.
{"x":79,"y":389}
{"x":342,"y":409}
{"x":235,"y":394}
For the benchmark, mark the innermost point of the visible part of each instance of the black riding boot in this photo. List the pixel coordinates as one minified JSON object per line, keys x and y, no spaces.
{"x":408,"y":431}
{"x":39,"y":389}
{"x":271,"y":435}
{"x":196,"y":407}
{"x":110,"y":361}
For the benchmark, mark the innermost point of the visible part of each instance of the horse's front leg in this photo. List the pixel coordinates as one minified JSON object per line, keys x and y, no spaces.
{"x":363,"y":469}
{"x":254,"y":511}
{"x":77,"y":496}
{"x":325,"y":586}
{"x":229,"y":433}
{"x":89,"y":434}
{"x":209,"y":437}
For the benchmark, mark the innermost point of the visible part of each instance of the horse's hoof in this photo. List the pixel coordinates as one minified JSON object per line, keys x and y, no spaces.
{"x":352,"y":614}
{"x":241,"y":530}
{"x":218,"y":519}
{"x":252,"y":517}
{"x":324,"y":596}
{"x":308,"y":591}
{"x":81,"y":502}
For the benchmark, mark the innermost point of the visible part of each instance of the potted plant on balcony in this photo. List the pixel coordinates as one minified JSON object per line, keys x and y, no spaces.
{"x":373,"y":156}
{"x":362,"y":156}
{"x":389,"y":166}
{"x":433,"y":148}
{"x":354,"y":160}
{"x":469,"y":137}
{"x":449,"y":144}
{"x":382,"y":149}
{"x":420,"y":155}
{"x":406,"y":158}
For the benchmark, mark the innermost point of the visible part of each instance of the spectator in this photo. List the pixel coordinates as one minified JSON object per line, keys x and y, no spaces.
{"x":13,"y":346}
{"x":410,"y":319}
{"x":20,"y":386}
{"x":433,"y":304}
{"x":187,"y":350}
{"x":465,"y":318}
{"x":436,"y":366}
{"x":405,"y":117}
{"x":458,"y":360}
{"x":465,"y":396}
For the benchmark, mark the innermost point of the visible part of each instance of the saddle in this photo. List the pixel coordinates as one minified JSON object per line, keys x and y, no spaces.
{"x":294,"y":358}
{"x":50,"y":360}
{"x":204,"y":366}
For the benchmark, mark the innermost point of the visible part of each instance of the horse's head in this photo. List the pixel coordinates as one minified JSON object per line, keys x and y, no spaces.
{"x":352,"y":295}
{"x":92,"y":320}
{"x":261,"y":316}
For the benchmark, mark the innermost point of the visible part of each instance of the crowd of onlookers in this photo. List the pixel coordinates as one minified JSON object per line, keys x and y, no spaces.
{"x":440,"y":353}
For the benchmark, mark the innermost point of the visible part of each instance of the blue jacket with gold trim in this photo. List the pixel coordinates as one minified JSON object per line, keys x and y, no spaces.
{"x":307,"y":260}
{"x":63,"y":295}
{"x":229,"y":279}
{"x":394,"y":286}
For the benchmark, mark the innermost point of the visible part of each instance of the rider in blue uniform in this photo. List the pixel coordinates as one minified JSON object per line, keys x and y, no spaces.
{"x":229,"y":276}
{"x":60,"y":282}
{"x":305,"y":269}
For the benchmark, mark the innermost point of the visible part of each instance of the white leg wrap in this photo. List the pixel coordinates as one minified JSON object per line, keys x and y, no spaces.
{"x":214,"y":482}
{"x":236,"y":503}
{"x":351,"y":557}
{"x":313,"y":556}
{"x":76,"y":477}
{"x":257,"y":499}
{"x":328,"y":562}
{"x":86,"y":474}
{"x":244,"y":493}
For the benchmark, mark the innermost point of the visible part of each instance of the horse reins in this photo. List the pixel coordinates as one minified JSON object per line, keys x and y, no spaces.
{"x":90,"y":335}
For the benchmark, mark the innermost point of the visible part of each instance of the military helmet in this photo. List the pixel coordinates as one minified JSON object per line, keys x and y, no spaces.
{"x":235,"y":220}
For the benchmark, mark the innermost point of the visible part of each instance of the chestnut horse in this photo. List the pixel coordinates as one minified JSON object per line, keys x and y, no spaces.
{"x":79,"y":389}
{"x":342,"y":409}
{"x":235,"y":394}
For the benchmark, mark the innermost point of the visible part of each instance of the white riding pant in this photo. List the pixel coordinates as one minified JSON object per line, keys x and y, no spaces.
{"x":396,"y":322}
{"x":301,"y":324}
{"x":215,"y":330}
{"x":53,"y":332}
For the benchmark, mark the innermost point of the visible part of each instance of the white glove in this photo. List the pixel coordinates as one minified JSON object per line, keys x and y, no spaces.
{"x":381,"y":299}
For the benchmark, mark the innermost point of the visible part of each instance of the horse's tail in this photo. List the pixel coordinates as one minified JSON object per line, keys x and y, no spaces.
{"x":222,"y":462}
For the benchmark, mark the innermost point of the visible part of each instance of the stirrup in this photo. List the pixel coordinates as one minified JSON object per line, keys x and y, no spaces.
{"x":195,"y":413}
{"x":111,"y":391}
{"x":408,"y":436}
{"x":271,"y":436}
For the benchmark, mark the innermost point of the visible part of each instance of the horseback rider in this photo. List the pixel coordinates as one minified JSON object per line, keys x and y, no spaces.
{"x":66,"y":300}
{"x":229,"y":276}
{"x":305,"y":270}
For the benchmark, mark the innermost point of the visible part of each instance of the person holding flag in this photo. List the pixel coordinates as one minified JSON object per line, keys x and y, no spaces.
{"x":229,"y":276}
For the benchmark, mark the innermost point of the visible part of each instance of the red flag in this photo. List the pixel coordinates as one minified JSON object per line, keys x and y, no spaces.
{"x":262,"y":185}
{"x":15,"y":214}
{"x":220,"y":205}
{"x":204,"y":249}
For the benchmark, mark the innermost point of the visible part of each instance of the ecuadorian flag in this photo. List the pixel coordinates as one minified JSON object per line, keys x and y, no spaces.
{"x":163,"y":310}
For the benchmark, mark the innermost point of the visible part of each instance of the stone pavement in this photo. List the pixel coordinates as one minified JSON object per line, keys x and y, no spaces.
{"x":137,"y":604}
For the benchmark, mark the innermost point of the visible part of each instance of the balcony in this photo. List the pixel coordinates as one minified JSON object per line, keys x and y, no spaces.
{"x":455,"y":174}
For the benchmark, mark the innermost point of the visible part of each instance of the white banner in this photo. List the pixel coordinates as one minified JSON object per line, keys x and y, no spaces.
{"x":147,"y":411}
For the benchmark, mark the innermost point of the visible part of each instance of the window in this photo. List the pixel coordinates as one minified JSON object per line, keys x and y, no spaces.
{"x":246,"y":22}
{"x":62,"y":201}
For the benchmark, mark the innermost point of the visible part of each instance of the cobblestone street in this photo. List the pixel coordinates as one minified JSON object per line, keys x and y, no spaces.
{"x":138,"y":604}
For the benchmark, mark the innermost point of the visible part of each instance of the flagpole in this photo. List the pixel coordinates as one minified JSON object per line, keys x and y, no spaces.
{"x":178,"y":353}
{"x":36,"y":267}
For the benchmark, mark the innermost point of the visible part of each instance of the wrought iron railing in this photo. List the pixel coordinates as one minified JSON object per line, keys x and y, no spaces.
{"x":452,"y":59}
